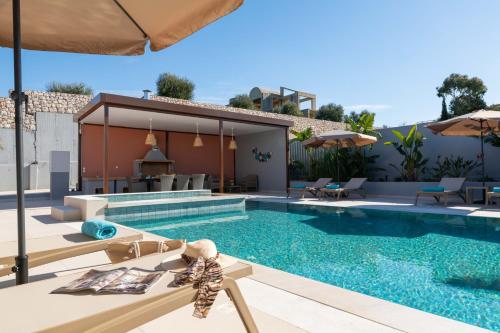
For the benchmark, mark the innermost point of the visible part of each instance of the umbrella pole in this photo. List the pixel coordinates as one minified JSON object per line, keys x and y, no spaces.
{"x":482,"y":151}
{"x":21,"y":266}
{"x":338,"y":163}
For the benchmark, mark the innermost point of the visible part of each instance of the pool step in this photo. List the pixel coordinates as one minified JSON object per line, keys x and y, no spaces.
{"x":197,"y":222}
{"x":66,"y":213}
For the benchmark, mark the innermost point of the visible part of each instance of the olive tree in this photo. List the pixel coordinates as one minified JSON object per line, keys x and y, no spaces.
{"x":170,"y":85}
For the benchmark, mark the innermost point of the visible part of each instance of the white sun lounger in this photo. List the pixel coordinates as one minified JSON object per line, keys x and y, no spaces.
{"x":314,"y":189}
{"x":354,"y":185}
{"x":32,"y":307}
{"x":48,"y":249}
{"x":452,"y":186}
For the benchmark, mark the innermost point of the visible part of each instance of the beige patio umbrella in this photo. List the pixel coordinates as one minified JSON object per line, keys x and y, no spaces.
{"x":339,"y":139}
{"x":114,"y":27}
{"x":478,"y":123}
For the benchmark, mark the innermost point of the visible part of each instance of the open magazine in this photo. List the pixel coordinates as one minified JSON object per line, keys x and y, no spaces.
{"x":119,"y":281}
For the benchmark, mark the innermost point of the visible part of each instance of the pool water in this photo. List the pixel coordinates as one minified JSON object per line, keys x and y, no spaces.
{"x":443,"y":264}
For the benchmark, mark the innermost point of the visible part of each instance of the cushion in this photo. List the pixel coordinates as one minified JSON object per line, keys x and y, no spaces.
{"x":433,"y":189}
{"x":299,"y":186}
{"x":496,"y":189}
{"x":332,"y":186}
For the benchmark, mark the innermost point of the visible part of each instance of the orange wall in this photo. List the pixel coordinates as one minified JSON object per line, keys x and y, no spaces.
{"x":189,"y":159}
{"x":126,"y":145}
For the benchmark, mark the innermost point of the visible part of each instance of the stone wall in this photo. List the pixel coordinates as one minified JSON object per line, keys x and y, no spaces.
{"x":71,"y":103}
{"x":41,"y":102}
{"x":301,"y":123}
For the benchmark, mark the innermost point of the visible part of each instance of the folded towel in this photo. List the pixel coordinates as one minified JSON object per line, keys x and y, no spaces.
{"x":332,"y":186}
{"x":299,"y":186}
{"x":433,"y":189}
{"x":496,"y":189}
{"x":98,"y":229}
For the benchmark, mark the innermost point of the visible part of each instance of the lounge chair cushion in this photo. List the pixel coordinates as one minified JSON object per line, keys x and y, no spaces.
{"x":299,"y":186}
{"x":332,"y":186}
{"x":98,"y":229}
{"x":433,"y":189}
{"x":496,"y":190}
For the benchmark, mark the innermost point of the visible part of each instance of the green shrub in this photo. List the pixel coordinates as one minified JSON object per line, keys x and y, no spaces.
{"x":78,"y":88}
{"x":242,"y":101}
{"x":454,"y":167}
{"x":290,"y":109}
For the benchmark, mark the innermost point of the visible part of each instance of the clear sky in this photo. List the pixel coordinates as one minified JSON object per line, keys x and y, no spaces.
{"x":384,"y":55}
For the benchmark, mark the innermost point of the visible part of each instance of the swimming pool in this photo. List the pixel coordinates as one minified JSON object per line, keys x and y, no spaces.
{"x":444,"y":264}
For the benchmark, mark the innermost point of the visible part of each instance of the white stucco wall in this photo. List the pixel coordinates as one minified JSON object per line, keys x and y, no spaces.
{"x":272,"y":174}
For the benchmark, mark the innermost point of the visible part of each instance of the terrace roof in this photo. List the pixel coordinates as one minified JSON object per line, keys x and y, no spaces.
{"x":135,"y":113}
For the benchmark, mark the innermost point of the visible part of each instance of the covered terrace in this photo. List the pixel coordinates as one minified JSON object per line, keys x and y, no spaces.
{"x":113,"y":146}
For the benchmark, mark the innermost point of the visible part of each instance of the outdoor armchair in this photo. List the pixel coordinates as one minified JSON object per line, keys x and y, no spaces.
{"x":249,"y":183}
{"x":182,"y":182}
{"x":198,"y":181}
{"x":166,"y":182}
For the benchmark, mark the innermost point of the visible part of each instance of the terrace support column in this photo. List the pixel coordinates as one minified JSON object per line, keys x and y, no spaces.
{"x":105,"y":175}
{"x":287,"y":158}
{"x":221,"y":156}
{"x":80,"y":171}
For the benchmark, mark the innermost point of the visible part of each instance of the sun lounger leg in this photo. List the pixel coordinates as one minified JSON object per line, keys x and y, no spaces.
{"x":446,"y":199}
{"x":416,"y":199}
{"x":235,"y":294}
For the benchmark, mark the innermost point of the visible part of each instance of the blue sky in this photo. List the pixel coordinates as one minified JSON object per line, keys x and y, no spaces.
{"x":387,"y":56}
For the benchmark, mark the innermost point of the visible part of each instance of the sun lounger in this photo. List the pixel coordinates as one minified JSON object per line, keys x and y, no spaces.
{"x":48,"y":249}
{"x":314,"y":189}
{"x":449,"y":186}
{"x":354,"y":185}
{"x":85,"y":312}
{"x":490,"y":196}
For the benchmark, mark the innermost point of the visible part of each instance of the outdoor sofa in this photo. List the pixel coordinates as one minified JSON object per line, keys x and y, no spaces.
{"x":446,"y":187}
{"x":87,"y":312}
{"x":44,"y":250}
{"x":354,"y":185}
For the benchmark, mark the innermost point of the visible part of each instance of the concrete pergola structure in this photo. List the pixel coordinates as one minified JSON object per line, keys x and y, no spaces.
{"x":114,"y":112}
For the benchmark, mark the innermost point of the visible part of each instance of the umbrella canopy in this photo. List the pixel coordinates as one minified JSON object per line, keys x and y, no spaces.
{"x":478,"y":123}
{"x":340,"y":139}
{"x":114,"y":27}
{"x":118,"y":27}
{"x":471,"y":124}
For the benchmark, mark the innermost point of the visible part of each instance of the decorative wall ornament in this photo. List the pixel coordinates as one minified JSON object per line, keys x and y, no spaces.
{"x":260,"y":156}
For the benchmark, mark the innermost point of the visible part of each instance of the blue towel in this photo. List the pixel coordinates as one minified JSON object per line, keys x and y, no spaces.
{"x":433,"y":189}
{"x":98,"y":229}
{"x":299,"y":186}
{"x":496,"y":189}
{"x":332,"y":186}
